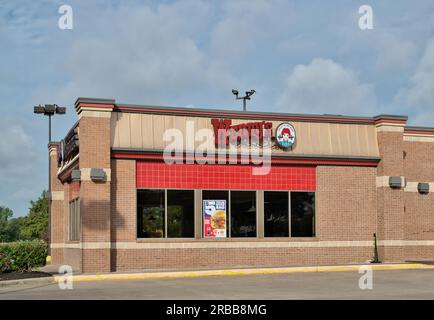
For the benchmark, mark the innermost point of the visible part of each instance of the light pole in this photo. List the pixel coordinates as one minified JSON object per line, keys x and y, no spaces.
{"x":245,"y":98}
{"x":49,"y":110}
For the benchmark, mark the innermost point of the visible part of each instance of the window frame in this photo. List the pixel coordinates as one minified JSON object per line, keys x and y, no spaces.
{"x":314,"y":215}
{"x":199,"y":229}
{"x":289,"y":214}
{"x":228,"y":218}
{"x":166,"y":238}
{"x":74,"y":220}
{"x":290,"y":236}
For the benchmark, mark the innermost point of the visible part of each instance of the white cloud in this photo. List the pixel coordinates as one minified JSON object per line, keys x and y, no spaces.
{"x":325,"y":86}
{"x":419,"y":96}
{"x":16,"y":151}
{"x":143,"y":54}
{"x":245,"y":24}
{"x":394,"y":52}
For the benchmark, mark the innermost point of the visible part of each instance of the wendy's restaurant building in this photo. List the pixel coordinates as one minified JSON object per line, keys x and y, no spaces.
{"x":139,"y":187}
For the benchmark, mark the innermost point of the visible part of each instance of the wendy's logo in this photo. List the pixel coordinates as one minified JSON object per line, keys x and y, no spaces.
{"x":285,"y":136}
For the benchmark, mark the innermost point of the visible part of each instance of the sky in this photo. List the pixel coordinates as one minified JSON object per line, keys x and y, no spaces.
{"x":300,"y":56}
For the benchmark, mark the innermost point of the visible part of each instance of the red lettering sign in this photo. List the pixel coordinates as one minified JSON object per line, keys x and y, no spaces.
{"x":225,"y":132}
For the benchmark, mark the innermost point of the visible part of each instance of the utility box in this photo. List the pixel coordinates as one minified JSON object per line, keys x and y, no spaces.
{"x":75,"y":175}
{"x":97,"y":174}
{"x":395,"y":182}
{"x":423,"y":187}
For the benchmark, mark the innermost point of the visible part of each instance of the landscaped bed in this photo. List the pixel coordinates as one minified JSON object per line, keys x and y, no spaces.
{"x":21,"y":259}
{"x":22,"y":275}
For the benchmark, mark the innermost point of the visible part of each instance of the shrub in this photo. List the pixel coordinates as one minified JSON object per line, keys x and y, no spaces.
{"x":22,"y":255}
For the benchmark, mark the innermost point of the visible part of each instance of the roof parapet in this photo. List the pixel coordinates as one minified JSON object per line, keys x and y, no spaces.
{"x":94,"y":104}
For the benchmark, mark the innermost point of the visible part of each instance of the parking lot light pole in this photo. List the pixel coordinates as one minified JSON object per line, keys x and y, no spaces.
{"x":49,"y":110}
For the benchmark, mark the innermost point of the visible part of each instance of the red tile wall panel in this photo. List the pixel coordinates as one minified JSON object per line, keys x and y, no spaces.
{"x":215,"y":176}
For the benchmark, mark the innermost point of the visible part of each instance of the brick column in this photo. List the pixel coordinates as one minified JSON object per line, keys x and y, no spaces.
{"x":94,"y":138}
{"x":390,"y":201}
{"x":56,"y":202}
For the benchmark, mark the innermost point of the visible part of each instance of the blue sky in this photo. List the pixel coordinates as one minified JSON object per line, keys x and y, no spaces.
{"x":300,"y":56}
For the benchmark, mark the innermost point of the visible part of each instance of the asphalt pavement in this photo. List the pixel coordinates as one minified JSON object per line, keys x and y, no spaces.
{"x":390,"y":284}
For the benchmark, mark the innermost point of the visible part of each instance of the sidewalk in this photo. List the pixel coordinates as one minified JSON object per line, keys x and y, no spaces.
{"x":206,"y":273}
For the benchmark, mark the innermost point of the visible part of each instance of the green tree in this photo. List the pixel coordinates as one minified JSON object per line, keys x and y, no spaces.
{"x":5,"y":215}
{"x":14,"y":228}
{"x":35,"y":224}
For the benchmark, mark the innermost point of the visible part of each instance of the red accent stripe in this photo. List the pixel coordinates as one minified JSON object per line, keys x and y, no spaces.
{"x":418,"y":131}
{"x":390,"y":121}
{"x":192,"y":176}
{"x":95,"y":105}
{"x":274,"y":161}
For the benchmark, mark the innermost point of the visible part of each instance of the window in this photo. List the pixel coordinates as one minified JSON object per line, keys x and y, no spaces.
{"x":302,"y":214}
{"x":150,"y":213}
{"x":276,"y":213}
{"x":180,"y":213}
{"x":74,"y":220}
{"x":243,"y":213}
{"x":152,"y":207}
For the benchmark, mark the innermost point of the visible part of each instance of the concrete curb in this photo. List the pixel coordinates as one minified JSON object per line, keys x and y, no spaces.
{"x":233,"y":272}
{"x":36,"y":281}
{"x":208,"y":273}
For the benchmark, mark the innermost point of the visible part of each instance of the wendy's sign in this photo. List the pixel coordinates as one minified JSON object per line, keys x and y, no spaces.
{"x":226,"y":133}
{"x":259,"y":132}
{"x":285,"y":136}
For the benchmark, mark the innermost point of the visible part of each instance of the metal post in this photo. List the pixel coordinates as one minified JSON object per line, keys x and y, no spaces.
{"x":49,"y":186}
{"x":244,"y":105}
{"x":376,"y":258}
{"x":49,"y":110}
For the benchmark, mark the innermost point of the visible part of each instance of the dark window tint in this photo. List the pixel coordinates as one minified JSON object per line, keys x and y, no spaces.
{"x":180,"y":213}
{"x":302,"y":214}
{"x":215,"y":195}
{"x":276,"y":213}
{"x":150,"y":213}
{"x":243,"y":214}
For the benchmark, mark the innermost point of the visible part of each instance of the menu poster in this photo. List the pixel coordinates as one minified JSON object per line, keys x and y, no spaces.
{"x":214,"y":218}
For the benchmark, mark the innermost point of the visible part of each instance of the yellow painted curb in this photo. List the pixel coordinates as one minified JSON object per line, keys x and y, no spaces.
{"x":235,"y":272}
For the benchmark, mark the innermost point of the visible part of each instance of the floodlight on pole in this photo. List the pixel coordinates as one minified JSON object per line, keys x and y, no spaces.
{"x":245,"y":98}
{"x":49,"y":110}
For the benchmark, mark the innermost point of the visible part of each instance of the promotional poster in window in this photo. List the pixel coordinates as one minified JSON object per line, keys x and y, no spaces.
{"x":214,"y":218}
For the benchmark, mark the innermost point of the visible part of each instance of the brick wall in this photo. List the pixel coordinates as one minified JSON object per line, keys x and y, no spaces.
{"x":123,"y":209}
{"x":390,"y":202}
{"x":58,"y":219}
{"x":419,"y":208}
{"x":346,"y":204}
{"x":419,"y":161}
{"x":95,"y":206}
{"x":139,"y":259}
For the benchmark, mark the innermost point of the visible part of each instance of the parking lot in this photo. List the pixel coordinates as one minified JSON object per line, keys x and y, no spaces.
{"x":396,"y":284}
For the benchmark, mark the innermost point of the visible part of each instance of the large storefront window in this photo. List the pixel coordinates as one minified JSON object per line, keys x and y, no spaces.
{"x":170,"y":213}
{"x":243,"y":214}
{"x":302,"y":214}
{"x":180,"y":213}
{"x":276,"y":213}
{"x":150,"y":213}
